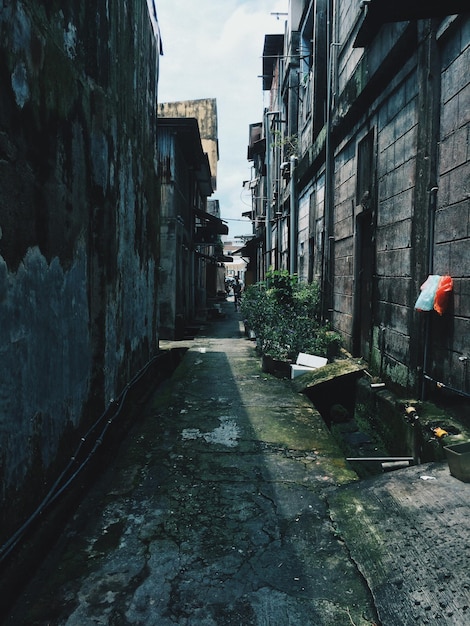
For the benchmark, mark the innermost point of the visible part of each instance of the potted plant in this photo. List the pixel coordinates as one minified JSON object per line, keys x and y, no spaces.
{"x":283,"y":315}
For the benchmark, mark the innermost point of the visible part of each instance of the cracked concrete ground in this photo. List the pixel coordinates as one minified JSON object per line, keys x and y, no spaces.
{"x":214,"y":512}
{"x":226,"y":505}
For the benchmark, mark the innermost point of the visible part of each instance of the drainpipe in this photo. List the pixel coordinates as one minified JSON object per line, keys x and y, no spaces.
{"x":293,"y":218}
{"x":267,"y":222}
{"x":427,"y":326}
{"x":267,"y":215}
{"x":432,"y":211}
{"x":327,"y":210}
{"x":329,"y":168}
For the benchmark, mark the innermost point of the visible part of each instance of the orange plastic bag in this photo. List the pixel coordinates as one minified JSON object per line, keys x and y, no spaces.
{"x":444,"y":289}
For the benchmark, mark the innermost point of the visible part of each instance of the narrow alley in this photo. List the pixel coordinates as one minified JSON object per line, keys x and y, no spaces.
{"x":230,"y":504}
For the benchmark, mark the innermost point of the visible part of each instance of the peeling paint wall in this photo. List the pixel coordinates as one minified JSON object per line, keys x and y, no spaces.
{"x":79,"y":226}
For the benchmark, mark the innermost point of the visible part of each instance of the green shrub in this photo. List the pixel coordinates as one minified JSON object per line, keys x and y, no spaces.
{"x":284,"y":315}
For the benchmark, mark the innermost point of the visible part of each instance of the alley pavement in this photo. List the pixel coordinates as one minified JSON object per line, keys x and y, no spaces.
{"x":229,"y":504}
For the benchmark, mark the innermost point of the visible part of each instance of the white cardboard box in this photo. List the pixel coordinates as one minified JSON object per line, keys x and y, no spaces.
{"x":306,"y":363}
{"x":310,"y":360}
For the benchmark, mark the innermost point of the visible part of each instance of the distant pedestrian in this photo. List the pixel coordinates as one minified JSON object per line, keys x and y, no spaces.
{"x":237,"y":293}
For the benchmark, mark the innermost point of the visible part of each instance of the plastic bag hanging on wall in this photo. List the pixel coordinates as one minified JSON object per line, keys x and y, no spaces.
{"x":435,"y":293}
{"x":444,"y":289}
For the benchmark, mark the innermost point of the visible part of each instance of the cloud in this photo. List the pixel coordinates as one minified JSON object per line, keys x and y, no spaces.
{"x":213,"y":50}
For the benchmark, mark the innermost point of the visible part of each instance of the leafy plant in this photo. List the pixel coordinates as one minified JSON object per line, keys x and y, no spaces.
{"x":288,"y":143}
{"x":284,"y":316}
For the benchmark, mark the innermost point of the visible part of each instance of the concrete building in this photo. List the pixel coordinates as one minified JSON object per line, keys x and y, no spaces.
{"x":185,"y":186}
{"x":79,"y":228}
{"x":236,"y":263}
{"x":363,"y":165}
{"x":191,"y":226}
{"x":205,"y":111}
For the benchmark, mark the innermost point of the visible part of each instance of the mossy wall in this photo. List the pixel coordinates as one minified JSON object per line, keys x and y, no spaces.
{"x":79,"y":224}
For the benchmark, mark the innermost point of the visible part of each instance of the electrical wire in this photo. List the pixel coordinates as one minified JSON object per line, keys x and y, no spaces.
{"x":63,"y":482}
{"x":441,"y":385}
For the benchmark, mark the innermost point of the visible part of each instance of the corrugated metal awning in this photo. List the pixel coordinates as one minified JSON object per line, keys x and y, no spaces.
{"x":249,"y":249}
{"x":214,"y":258}
{"x":217,"y":225}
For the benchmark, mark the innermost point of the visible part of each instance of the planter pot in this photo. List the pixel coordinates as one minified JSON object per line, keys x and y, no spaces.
{"x":458,"y":457}
{"x":275,"y":366}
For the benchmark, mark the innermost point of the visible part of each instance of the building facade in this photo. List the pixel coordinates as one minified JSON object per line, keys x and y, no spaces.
{"x":190,"y":223}
{"x":79,"y":228}
{"x":363,"y":164}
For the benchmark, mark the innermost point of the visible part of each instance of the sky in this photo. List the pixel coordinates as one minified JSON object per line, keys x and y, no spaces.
{"x":213,"y":49}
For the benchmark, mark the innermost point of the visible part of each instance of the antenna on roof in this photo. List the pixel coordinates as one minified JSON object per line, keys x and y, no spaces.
{"x":278,"y":14}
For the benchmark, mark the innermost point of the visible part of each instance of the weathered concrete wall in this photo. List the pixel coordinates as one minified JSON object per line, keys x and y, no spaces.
{"x":394,"y":204}
{"x":78,"y":226}
{"x":415,"y":101}
{"x":303,"y":234}
{"x":377,"y":97}
{"x":344,"y":194}
{"x":396,"y":170}
{"x":450,"y":336}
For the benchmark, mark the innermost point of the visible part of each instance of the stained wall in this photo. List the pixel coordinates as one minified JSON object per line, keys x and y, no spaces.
{"x":79,"y":226}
